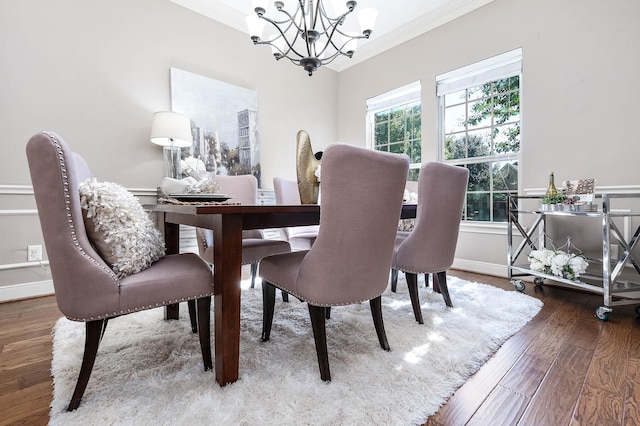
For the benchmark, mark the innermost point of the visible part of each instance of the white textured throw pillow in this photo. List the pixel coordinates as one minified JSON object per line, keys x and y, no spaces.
{"x":119,"y":228}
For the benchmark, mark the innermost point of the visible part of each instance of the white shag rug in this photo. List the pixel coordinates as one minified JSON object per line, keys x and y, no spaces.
{"x":149,"y":371}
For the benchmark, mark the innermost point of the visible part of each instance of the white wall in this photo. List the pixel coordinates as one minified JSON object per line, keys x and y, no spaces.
{"x":580,"y":93}
{"x":95,"y":72}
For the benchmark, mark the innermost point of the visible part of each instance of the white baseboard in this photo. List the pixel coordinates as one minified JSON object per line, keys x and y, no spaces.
{"x":480,"y":267}
{"x":26,"y":290}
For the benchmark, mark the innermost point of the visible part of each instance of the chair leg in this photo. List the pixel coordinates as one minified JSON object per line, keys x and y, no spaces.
{"x":204,"y":328}
{"x":192,"y":315}
{"x":376,"y":312}
{"x":285,"y":297}
{"x":436,"y":285}
{"x":412,"y":284}
{"x":327,"y":312}
{"x":254,"y":272}
{"x":441,"y":279}
{"x":394,"y":280}
{"x":317,"y":314}
{"x":426,"y":280}
{"x":94,"y":331}
{"x":268,"y":304}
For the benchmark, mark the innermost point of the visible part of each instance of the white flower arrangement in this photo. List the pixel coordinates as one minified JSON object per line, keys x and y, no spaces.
{"x":192,"y":166}
{"x":558,"y":263}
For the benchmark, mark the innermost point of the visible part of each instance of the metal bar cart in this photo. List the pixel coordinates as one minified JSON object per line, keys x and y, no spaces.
{"x":609,"y":282}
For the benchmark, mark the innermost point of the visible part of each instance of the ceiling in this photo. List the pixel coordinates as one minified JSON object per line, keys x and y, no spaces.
{"x":398,"y":20}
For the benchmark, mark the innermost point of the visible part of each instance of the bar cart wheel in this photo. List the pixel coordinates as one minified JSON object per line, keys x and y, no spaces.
{"x":538,"y":281}
{"x":518,"y":284}
{"x":602,"y":313}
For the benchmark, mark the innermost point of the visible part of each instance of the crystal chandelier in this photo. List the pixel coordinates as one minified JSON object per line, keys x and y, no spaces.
{"x":309,"y":37}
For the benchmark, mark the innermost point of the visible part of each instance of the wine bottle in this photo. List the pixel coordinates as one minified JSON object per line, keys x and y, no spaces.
{"x":551,"y":189}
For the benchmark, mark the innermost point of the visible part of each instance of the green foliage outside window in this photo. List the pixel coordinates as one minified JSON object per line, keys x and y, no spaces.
{"x":482,"y":133}
{"x":399,"y":130}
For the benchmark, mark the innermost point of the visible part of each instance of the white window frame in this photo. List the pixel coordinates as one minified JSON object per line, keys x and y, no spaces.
{"x":403,"y":95}
{"x":498,"y":67}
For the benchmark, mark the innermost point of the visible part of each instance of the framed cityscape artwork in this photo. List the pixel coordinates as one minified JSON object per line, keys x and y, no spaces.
{"x":224,"y":125}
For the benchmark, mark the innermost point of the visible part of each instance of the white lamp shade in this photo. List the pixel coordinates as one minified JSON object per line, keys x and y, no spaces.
{"x":255,"y":25}
{"x":367,"y":18}
{"x":339,"y":7}
{"x":171,"y":129}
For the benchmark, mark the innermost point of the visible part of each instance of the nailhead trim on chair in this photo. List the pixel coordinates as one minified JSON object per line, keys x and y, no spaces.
{"x":72,"y":231}
{"x":76,"y":243}
{"x":72,"y":228}
{"x":435,"y":270}
{"x":141,"y":308}
{"x":297,"y":296}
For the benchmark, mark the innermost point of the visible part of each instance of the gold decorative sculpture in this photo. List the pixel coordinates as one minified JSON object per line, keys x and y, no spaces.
{"x":306,"y":166}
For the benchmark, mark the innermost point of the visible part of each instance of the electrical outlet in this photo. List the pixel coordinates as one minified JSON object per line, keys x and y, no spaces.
{"x":34,"y":253}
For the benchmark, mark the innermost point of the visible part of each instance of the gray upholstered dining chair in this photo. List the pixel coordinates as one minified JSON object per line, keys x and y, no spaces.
{"x":300,"y":237}
{"x":242,"y":188}
{"x":362,"y":191}
{"x":86,"y":288}
{"x":430,"y":248}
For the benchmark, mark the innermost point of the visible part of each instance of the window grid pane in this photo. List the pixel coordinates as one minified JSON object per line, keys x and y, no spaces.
{"x":398,"y":130}
{"x":482,"y":133}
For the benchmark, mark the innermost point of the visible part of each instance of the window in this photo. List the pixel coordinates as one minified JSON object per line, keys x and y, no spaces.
{"x":480,"y":130}
{"x":394,"y":124}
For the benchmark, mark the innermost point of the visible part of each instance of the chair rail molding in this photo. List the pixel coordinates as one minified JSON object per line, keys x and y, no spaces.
{"x":28,"y":190}
{"x":16,"y":190}
{"x":18,"y":212}
{"x":610,"y":189}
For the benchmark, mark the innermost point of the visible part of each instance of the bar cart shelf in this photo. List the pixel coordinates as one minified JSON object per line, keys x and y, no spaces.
{"x":609,"y":281}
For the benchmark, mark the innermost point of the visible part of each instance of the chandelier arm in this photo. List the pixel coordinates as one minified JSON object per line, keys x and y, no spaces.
{"x":290,"y":45}
{"x":287,"y":51}
{"x":290,"y":23}
{"x":330,"y":39}
{"x":332,"y":23}
{"x":330,"y":59}
{"x":305,"y":31}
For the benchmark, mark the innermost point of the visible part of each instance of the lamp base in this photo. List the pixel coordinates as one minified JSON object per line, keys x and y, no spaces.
{"x":171,"y":158}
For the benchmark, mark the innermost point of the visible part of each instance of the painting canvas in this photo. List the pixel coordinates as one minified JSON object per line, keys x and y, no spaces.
{"x":224,"y":124}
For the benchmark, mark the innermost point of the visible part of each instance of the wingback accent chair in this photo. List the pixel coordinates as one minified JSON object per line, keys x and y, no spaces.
{"x":86,"y":288}
{"x":300,"y":237}
{"x":362,"y":191}
{"x":430,"y":248}
{"x":243,"y":188}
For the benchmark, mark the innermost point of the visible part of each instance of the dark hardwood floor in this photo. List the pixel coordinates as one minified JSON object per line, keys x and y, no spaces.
{"x":563,"y":368}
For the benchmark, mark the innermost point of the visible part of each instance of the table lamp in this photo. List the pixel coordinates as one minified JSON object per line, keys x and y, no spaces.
{"x":172,"y":131}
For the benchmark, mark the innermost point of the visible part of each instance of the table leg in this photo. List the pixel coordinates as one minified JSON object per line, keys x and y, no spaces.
{"x":227,"y":269}
{"x":172,"y":245}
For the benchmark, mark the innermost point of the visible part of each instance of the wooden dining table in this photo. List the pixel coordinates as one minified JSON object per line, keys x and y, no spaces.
{"x":227,"y":223}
